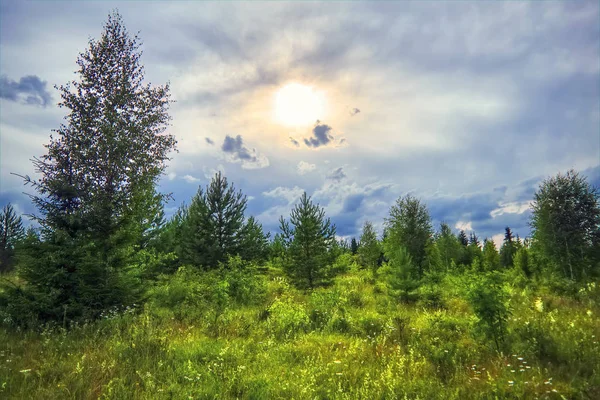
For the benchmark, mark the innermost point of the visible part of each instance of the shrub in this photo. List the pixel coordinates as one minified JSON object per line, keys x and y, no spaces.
{"x":489,"y":302}
{"x":287,"y":318}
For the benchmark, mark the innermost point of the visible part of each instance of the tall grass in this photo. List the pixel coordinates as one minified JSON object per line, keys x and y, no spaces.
{"x":352,"y":340}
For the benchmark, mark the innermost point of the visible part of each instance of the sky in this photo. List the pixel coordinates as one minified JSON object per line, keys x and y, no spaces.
{"x":468,"y":106}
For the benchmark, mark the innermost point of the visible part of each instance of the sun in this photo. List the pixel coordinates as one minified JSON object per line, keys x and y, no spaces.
{"x":298,"y":105}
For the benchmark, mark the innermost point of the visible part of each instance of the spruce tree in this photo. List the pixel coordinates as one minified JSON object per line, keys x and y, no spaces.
{"x":11,"y":233}
{"x":353,"y":246}
{"x":462,"y":238}
{"x":409,"y":226}
{"x":254,"y":245}
{"x":308,"y":237}
{"x":215,"y":225}
{"x":370,"y":248}
{"x":490,"y":256}
{"x":448,"y":245}
{"x":508,"y":249}
{"x":96,"y":197}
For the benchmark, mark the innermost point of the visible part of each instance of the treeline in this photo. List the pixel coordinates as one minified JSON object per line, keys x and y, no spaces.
{"x":103,"y":237}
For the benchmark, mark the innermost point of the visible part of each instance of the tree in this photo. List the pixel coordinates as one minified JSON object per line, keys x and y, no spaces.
{"x":508,"y":249}
{"x":308,"y":237}
{"x":97,"y":194}
{"x":491,"y":258}
{"x":462,"y":238}
{"x":254,"y":245}
{"x":11,"y":233}
{"x":370,"y":249}
{"x":354,"y":246}
{"x":215,"y":224}
{"x":448,"y":245}
{"x":409,"y":226}
{"x":565,"y":223}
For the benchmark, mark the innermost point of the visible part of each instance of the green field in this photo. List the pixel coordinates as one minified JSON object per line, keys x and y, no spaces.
{"x":349,"y":340}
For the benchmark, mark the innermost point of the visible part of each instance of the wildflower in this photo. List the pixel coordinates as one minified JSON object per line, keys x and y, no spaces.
{"x":520,"y":358}
{"x":24,"y":371}
{"x":512,"y":370}
{"x":521,"y":370}
{"x":511,"y":382}
{"x":539,"y":304}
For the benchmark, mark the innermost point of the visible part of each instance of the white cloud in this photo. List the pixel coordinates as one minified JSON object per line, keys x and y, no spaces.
{"x":291,"y":195}
{"x":190,"y":179}
{"x":172,"y":175}
{"x":465,"y":226}
{"x":511,"y":208}
{"x":498,"y":240}
{"x":304,"y":167}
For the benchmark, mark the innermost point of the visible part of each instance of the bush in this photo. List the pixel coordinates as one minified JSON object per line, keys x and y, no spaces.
{"x":489,"y":302}
{"x":287,"y":318}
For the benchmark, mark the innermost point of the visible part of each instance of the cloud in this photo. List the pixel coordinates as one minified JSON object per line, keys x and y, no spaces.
{"x":294,"y":142}
{"x":209,"y":141}
{"x":304,"y":167}
{"x":237,"y":152}
{"x":515,"y":207}
{"x":209,"y":173}
{"x":31,"y":88}
{"x":336,"y":175}
{"x":291,"y":195}
{"x":464,"y":226}
{"x":321,"y":136}
{"x":354,"y":111}
{"x":172,"y":175}
{"x":190,"y":179}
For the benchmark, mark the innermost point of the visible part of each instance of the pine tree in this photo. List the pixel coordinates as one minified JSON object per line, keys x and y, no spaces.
{"x":11,"y":233}
{"x":370,"y":248}
{"x":409,"y":226}
{"x":448,"y":245}
{"x":255,"y":244}
{"x":473,"y":239}
{"x":353,"y":246}
{"x":565,"y":224}
{"x":462,"y":238}
{"x":490,"y":256}
{"x":308,"y":238}
{"x":215,"y":225}
{"x":508,"y":249}
{"x":96,"y":196}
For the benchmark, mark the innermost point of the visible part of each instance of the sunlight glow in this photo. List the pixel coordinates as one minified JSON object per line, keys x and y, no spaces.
{"x":298,"y":105}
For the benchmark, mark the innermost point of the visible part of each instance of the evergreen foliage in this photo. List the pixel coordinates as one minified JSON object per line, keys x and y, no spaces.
{"x":308,"y":238}
{"x":408,"y":226}
{"x":215,"y":227}
{"x":370,"y":248}
{"x":508,"y":249}
{"x":96,"y":196}
{"x":11,"y":233}
{"x":565,"y":224}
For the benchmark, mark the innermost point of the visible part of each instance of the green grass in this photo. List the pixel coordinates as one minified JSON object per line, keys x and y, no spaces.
{"x":348,"y":341}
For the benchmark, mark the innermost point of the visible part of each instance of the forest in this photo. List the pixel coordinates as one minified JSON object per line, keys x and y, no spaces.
{"x":103,"y":297}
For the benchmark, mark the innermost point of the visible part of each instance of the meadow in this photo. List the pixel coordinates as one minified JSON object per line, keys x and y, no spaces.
{"x":253,"y":335}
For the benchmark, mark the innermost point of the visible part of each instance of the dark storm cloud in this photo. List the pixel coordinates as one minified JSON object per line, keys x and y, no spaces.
{"x":321,"y":136}
{"x":294,"y":142}
{"x":235,"y":146}
{"x":30,"y":87}
{"x":209,"y":141}
{"x":238,"y":152}
{"x":336,"y":175}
